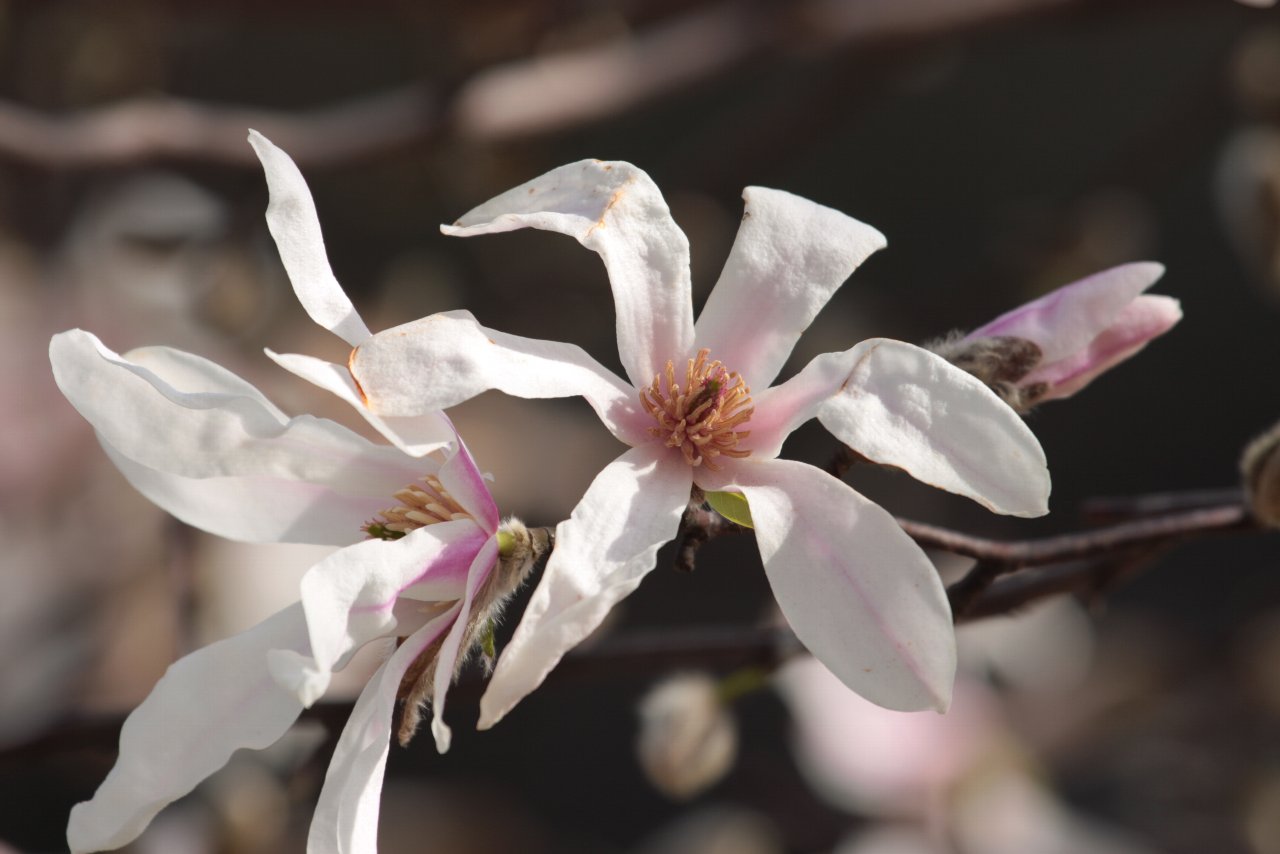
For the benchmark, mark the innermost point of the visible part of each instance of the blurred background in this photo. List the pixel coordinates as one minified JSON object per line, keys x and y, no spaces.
{"x":1005,"y":147}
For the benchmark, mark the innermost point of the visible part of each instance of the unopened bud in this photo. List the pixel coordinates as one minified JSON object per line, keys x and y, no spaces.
{"x":1260,"y":467}
{"x":688,"y":737}
{"x":1056,"y":345}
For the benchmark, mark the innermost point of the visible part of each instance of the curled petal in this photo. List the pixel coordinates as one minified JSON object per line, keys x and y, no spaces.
{"x":346,"y":816}
{"x":442,"y":360}
{"x":616,"y":210}
{"x":463,"y":480}
{"x":904,"y":406}
{"x":1063,"y":322}
{"x":602,"y":552}
{"x":859,"y":593}
{"x":349,"y":596}
{"x":265,"y":475}
{"x":415,"y":435}
{"x":207,"y":705}
{"x":789,"y":257}
{"x":1145,"y":318}
{"x":447,"y":663}
{"x":291,"y":217}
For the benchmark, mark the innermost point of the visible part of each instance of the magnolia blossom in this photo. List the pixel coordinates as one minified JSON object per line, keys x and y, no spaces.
{"x":420,"y":537}
{"x":211,"y":449}
{"x":697,"y":409}
{"x":1056,"y":345}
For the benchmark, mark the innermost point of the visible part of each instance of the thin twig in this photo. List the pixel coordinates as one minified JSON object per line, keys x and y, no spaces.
{"x":1082,"y":544}
{"x":534,"y":95}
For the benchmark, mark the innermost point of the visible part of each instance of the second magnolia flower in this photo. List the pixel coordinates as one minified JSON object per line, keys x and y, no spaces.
{"x":699,"y":410}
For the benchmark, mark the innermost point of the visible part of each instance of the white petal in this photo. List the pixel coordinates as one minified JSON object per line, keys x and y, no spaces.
{"x":1067,"y":319}
{"x":291,"y":216}
{"x":416,"y":435}
{"x":349,"y":596}
{"x":206,"y":706}
{"x":790,"y":256}
{"x":616,"y":210}
{"x":219,"y":427}
{"x":904,"y":406}
{"x":602,"y":552}
{"x":452,"y":646}
{"x":259,"y":510}
{"x":462,"y":479}
{"x":346,"y":816}
{"x":783,"y":408}
{"x":442,"y":360}
{"x":859,"y":593}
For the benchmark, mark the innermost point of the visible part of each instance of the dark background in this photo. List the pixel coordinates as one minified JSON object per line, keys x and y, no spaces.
{"x":1004,"y":148}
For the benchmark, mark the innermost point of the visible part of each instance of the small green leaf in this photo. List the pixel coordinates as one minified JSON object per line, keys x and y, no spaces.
{"x":732,"y":506}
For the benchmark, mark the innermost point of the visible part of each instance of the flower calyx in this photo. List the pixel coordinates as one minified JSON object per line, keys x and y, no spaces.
{"x":1001,"y":362}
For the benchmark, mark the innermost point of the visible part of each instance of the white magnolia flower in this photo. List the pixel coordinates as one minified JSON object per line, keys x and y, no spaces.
{"x":698,"y":410}
{"x":211,"y":449}
{"x":208,"y":447}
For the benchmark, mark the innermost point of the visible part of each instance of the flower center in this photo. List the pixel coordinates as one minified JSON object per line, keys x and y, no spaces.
{"x":422,"y":504}
{"x":699,"y":416}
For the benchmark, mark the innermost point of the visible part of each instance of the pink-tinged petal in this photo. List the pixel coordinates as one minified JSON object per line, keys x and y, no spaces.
{"x":1145,"y":318}
{"x":602,"y":552}
{"x":349,"y":596}
{"x":462,"y":479}
{"x":415,"y":435}
{"x":216,"y":426}
{"x":207,"y":705}
{"x":616,"y":210}
{"x":447,"y":662}
{"x":783,"y":408}
{"x":442,"y":360}
{"x":904,"y":406}
{"x":291,"y":217}
{"x":790,"y":256}
{"x":346,"y":816}
{"x":859,"y":593}
{"x":1063,"y":322}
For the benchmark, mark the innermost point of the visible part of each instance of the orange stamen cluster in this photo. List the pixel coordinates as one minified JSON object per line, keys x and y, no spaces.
{"x":422,"y":504}
{"x":699,"y":417}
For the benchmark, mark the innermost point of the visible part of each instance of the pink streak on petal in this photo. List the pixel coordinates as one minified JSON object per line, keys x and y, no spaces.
{"x":1066,"y":320}
{"x":466,"y":484}
{"x":1143,"y":320}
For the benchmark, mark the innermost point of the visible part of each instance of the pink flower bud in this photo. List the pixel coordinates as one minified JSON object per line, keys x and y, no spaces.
{"x":1081,"y":330}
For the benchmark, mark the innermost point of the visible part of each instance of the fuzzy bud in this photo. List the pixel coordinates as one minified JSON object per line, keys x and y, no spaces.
{"x":688,"y":737}
{"x":1260,"y":468}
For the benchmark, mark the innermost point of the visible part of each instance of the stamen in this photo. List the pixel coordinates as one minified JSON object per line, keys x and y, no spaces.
{"x":700,"y":418}
{"x":421,"y":504}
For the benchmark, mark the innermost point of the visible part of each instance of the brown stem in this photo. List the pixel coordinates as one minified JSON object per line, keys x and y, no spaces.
{"x":1116,"y":538}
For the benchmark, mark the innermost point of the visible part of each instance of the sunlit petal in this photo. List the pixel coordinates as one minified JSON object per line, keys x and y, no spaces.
{"x":291,"y":216}
{"x":207,"y":705}
{"x":790,"y":256}
{"x":906,"y":407}
{"x":616,"y":210}
{"x":442,"y":360}
{"x":860,"y":594}
{"x":602,"y":552}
